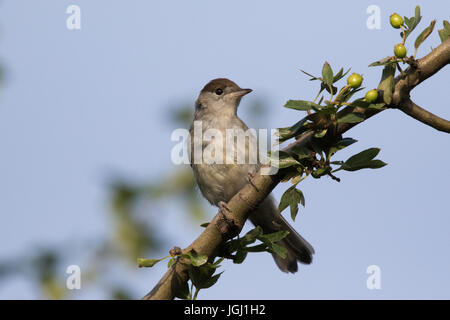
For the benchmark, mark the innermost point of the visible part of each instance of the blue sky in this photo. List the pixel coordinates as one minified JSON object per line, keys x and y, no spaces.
{"x":78,"y":104}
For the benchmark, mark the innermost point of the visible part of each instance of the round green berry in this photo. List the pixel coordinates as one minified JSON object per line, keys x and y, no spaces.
{"x":354,"y":80}
{"x":371,"y":95}
{"x":400,"y":50}
{"x":396,"y":20}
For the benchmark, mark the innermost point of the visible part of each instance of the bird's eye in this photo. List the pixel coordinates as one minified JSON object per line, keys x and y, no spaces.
{"x":219,"y":91}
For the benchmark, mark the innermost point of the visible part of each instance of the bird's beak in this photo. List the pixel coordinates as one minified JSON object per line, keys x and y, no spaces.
{"x":241,"y":93}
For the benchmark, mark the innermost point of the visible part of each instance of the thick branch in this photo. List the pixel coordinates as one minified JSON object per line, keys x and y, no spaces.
{"x":249,"y":197}
{"x":418,"y":113}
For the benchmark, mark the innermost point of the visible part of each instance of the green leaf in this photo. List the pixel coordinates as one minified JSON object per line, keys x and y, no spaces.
{"x":368,"y":105}
{"x":311,"y":76}
{"x":327,"y":74}
{"x":411,"y":23}
{"x":340,"y":75}
{"x":298,"y":125}
{"x":289,"y":132}
{"x":372,"y":164}
{"x":301,"y":152}
{"x":284,"y":160}
{"x":343,"y":94}
{"x":291,"y":197}
{"x":386,"y":86}
{"x":383,"y":62}
{"x":320,"y":172}
{"x":240,"y":256}
{"x":444,"y":33}
{"x":363,"y":156}
{"x":375,"y":164}
{"x":218,"y":261}
{"x":147,"y":263}
{"x":302,"y":105}
{"x":212,"y":281}
{"x":424,"y":34}
{"x":171,"y":262}
{"x":353,"y":117}
{"x":252,"y":235}
{"x":202,"y":277}
{"x":183,"y":288}
{"x":275,"y":236}
{"x":285,"y":200}
{"x":321,"y":133}
{"x":279,"y":250}
{"x":316,"y":147}
{"x":329,"y":109}
{"x":340,"y":145}
{"x":347,"y":94}
{"x":363,"y":160}
{"x":196,"y":259}
{"x":361,"y":103}
{"x":259,"y":248}
{"x":324,"y":86}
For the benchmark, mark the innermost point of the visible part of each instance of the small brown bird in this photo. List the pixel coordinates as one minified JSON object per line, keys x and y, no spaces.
{"x":216,"y":108}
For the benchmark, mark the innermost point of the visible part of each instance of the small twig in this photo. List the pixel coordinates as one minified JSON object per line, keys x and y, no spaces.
{"x":334,"y":177}
{"x":403,"y":34}
{"x":400,"y":69}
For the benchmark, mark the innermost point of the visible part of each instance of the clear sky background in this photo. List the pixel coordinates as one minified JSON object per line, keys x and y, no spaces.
{"x":80,"y":104}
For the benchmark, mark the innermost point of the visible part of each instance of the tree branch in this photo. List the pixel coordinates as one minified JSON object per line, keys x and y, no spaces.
{"x":426,"y":67}
{"x":249,"y":197}
{"x":424,"y":116}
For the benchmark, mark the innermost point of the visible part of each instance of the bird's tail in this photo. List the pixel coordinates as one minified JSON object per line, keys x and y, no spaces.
{"x":298,"y":249}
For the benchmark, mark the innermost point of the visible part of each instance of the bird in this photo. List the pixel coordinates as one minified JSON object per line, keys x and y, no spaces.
{"x":216,"y":109}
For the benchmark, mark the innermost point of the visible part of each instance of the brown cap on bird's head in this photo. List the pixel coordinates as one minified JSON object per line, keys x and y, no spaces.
{"x":223,"y":85}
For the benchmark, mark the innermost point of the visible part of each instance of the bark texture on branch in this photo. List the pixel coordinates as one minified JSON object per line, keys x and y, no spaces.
{"x":249,"y":197}
{"x":424,"y":116}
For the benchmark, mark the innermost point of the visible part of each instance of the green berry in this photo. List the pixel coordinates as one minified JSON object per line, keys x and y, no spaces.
{"x":371,"y":95}
{"x":396,"y":20}
{"x":354,"y":80}
{"x":400,"y":50}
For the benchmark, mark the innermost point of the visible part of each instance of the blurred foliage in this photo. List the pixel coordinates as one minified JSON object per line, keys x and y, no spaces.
{"x":41,"y":268}
{"x":133,"y":231}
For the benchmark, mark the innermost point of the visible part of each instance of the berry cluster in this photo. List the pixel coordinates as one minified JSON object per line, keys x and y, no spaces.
{"x":398,"y":23}
{"x":355,"y":80}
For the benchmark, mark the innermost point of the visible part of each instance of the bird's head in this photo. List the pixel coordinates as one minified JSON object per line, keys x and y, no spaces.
{"x":221,"y":95}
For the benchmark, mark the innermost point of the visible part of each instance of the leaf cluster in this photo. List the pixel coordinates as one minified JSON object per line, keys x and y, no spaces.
{"x":237,"y":249}
{"x":202,"y":271}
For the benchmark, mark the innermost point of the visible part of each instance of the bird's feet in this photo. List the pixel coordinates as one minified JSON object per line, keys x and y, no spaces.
{"x":227,"y":226}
